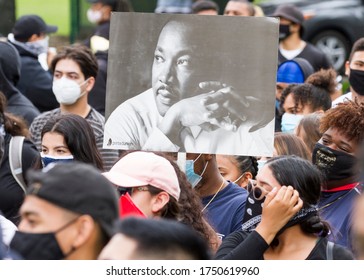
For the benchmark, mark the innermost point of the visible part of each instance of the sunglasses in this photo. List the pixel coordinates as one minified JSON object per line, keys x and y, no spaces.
{"x":258,"y":191}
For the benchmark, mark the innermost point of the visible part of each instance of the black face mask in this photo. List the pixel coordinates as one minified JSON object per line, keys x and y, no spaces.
{"x":284,"y":31}
{"x":335,"y":165}
{"x":254,"y":209}
{"x":39,"y":246}
{"x":356,"y":80}
{"x":253,"y":212}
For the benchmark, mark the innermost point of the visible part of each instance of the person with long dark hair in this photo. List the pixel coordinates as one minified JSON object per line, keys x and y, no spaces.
{"x":281,"y":221}
{"x":11,"y":192}
{"x":69,"y":137}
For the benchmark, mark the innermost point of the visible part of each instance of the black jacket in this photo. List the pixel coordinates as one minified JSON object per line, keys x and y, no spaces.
{"x":35,"y":82}
{"x":18,"y":104}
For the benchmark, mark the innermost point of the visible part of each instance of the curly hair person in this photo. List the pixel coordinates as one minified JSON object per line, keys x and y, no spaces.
{"x":346,"y":117}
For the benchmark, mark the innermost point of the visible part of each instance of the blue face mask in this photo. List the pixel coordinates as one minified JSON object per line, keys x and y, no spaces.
{"x":289,"y":122}
{"x":192,"y":177}
{"x":261,"y":164}
{"x":49,"y":159}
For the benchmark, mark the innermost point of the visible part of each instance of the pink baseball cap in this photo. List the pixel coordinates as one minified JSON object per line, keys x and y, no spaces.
{"x":145,"y":168}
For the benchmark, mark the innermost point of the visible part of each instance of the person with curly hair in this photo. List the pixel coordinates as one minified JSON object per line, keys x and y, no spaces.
{"x":326,"y":79}
{"x":336,"y":155}
{"x":300,"y":100}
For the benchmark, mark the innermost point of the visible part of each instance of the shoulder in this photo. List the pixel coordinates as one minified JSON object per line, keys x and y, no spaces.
{"x":44,"y":117}
{"x":341,"y":99}
{"x":342,"y":253}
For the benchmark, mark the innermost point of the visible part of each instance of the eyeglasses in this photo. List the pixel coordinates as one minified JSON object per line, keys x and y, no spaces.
{"x":124,"y":190}
{"x":258,"y":191}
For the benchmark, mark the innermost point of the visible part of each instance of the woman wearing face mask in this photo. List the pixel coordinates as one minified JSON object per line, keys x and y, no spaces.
{"x":281,"y":220}
{"x":238,"y":169}
{"x":298,"y":100}
{"x":336,"y":155}
{"x":69,"y":137}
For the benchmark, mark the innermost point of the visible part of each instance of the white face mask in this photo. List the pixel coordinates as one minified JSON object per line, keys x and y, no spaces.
{"x":67,"y":91}
{"x":94,"y":16}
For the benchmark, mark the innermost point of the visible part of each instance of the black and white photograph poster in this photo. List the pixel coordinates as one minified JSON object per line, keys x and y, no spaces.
{"x":191,"y":83}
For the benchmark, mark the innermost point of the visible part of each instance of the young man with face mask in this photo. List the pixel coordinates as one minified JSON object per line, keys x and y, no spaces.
{"x":291,"y":44}
{"x":354,"y":69}
{"x":68,"y":213}
{"x":336,"y":155}
{"x":74,"y":72}
{"x":223,"y":201}
{"x":30,"y":37}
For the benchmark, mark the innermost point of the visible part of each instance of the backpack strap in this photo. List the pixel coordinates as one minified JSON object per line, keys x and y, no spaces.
{"x":330,"y":250}
{"x":15,"y":160}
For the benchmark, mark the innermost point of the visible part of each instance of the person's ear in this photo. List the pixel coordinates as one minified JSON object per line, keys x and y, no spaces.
{"x":245,"y":179}
{"x":208,"y":157}
{"x":159,"y":201}
{"x":347,"y":68}
{"x":90,"y":84}
{"x":85,"y":226}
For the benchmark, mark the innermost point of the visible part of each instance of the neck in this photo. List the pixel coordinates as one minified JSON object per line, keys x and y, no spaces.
{"x":355,"y":96}
{"x":81,"y":107}
{"x":211,"y":185}
{"x":294,"y":42}
{"x":293,"y":244}
{"x":83,"y":254}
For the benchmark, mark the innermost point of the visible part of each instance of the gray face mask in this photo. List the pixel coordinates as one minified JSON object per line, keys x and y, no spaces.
{"x":39,"y":46}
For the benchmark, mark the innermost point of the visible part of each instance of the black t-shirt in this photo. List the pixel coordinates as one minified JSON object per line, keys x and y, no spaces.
{"x":313,"y":55}
{"x":241,"y":245}
{"x":11,"y":194}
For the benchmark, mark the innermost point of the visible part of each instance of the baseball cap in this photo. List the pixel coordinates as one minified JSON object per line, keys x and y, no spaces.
{"x":290,"y":12}
{"x":202,"y":5}
{"x":145,"y":168}
{"x":77,"y":187}
{"x":294,"y":71}
{"x":28,"y":25}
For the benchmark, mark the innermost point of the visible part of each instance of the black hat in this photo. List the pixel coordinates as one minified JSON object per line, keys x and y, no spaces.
{"x":289,"y":12}
{"x":77,"y":187}
{"x":106,"y":2}
{"x":28,"y":25}
{"x":203,"y":5}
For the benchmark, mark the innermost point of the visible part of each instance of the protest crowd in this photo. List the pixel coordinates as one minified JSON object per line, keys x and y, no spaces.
{"x":63,"y":195}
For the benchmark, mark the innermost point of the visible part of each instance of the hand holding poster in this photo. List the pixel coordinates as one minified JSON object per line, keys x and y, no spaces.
{"x":189,"y":83}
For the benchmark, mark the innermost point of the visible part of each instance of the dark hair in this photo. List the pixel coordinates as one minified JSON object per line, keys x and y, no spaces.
{"x":81,"y":55}
{"x":310,"y":124}
{"x":78,"y":136}
{"x":14,"y":125}
{"x":303,"y":176}
{"x":163,"y":239}
{"x":247,"y":164}
{"x":189,"y":203}
{"x":172,"y":209}
{"x":290,"y":144}
{"x":357,"y":47}
{"x":307,"y":95}
{"x":325,"y":79}
{"x":348,"y":118}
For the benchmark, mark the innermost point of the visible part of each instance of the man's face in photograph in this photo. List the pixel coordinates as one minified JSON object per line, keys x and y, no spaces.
{"x":177,"y":68}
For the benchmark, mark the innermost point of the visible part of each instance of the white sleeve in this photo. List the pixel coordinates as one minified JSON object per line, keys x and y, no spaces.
{"x":157,"y":141}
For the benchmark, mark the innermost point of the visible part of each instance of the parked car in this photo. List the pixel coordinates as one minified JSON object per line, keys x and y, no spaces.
{"x":331,"y":25}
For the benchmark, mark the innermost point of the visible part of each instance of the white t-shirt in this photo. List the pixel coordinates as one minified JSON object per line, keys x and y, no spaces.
{"x":341,"y":99}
